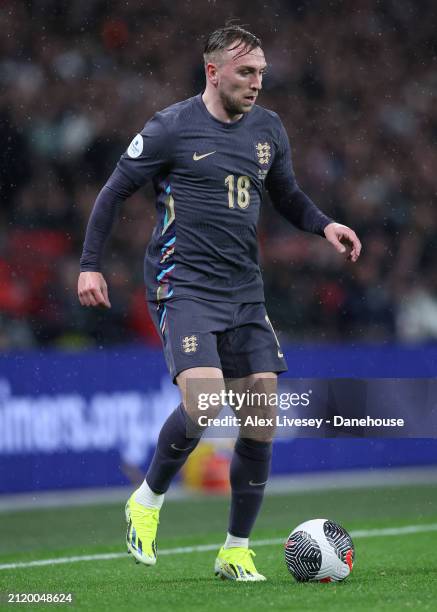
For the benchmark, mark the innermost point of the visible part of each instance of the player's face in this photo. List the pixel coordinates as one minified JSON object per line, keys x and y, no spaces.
{"x":240,"y":79}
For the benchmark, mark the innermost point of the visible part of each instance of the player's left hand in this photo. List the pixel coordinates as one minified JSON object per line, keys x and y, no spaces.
{"x":337,"y":234}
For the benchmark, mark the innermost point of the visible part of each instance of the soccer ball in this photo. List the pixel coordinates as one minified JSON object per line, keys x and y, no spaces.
{"x":319,"y":551}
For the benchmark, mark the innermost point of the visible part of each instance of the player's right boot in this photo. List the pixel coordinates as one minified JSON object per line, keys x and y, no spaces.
{"x":142,"y":525}
{"x":237,"y":564}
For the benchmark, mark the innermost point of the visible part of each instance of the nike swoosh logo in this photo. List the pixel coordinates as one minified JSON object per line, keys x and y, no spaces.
{"x":197,"y":157}
{"x":256,"y":484}
{"x":179,"y":449}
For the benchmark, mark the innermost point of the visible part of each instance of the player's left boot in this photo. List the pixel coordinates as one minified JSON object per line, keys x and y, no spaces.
{"x":237,"y":564}
{"x":142,"y":525}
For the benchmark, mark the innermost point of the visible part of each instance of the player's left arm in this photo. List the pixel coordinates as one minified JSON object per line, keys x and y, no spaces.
{"x":293,"y":204}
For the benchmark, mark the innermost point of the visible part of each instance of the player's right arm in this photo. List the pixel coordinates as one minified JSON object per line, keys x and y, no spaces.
{"x":144,"y":158}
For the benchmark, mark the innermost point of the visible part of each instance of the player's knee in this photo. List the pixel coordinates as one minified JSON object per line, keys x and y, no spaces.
{"x":203,"y":392}
{"x":258,"y":421}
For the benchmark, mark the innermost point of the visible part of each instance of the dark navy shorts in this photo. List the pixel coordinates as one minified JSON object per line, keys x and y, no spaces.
{"x":237,"y":338}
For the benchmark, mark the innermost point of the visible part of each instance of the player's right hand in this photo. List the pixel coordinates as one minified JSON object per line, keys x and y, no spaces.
{"x":93,"y":290}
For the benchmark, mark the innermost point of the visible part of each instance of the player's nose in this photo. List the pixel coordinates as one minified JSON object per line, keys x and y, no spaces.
{"x":256,"y":83}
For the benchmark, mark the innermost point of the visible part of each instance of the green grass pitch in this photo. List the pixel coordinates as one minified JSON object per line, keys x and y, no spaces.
{"x":396,"y":572}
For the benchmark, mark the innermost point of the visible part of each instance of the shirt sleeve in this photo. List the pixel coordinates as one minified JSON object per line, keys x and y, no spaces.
{"x":286,"y":195}
{"x":147,"y":155}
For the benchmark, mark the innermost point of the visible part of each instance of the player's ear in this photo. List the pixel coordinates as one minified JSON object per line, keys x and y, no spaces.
{"x":211,"y":73}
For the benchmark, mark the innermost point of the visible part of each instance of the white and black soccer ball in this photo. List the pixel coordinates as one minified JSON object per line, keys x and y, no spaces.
{"x":319,"y":550}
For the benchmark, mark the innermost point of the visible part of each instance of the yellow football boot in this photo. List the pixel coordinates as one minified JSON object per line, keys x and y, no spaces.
{"x":237,"y":564}
{"x":142,"y":524}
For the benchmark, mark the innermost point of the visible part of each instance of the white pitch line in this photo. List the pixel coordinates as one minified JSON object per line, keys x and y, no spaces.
{"x":360,"y":533}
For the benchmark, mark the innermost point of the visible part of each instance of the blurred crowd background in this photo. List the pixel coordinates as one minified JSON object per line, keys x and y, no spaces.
{"x":355,"y":84}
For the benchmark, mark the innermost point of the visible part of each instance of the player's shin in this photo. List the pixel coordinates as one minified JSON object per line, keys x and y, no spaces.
{"x":172,"y":450}
{"x":250,"y":469}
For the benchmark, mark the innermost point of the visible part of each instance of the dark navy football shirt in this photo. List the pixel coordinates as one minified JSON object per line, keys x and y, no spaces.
{"x":209,"y":177}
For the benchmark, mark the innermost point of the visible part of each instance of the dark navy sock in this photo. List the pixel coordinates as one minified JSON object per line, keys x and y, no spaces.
{"x":250,"y":467}
{"x":171,"y":451}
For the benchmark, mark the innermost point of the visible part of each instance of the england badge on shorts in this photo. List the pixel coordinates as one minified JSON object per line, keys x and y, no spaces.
{"x":189,"y":344}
